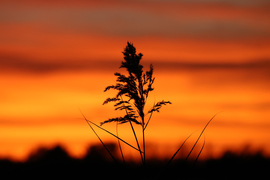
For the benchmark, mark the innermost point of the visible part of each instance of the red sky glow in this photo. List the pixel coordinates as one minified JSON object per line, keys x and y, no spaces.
{"x":208,"y":56}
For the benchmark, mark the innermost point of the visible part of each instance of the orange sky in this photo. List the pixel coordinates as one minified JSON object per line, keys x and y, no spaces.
{"x":58,"y":57}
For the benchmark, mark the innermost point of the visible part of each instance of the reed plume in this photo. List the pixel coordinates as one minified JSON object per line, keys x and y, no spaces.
{"x":135,"y":87}
{"x":132,"y":92}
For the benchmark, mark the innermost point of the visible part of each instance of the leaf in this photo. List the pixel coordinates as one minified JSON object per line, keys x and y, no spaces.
{"x":90,"y":122}
{"x":200,"y":151}
{"x":179,"y":149}
{"x":200,"y":136}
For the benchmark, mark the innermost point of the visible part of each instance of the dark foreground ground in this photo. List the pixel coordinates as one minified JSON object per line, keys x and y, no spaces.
{"x":56,"y":164}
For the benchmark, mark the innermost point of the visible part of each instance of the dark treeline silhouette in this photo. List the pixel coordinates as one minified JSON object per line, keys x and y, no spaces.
{"x":56,"y":163}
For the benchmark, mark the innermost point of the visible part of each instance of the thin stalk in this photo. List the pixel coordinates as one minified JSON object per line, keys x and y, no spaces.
{"x":144,"y":159}
{"x":142,"y":115}
{"x":143,"y":146}
{"x":134,"y":133}
{"x":148,"y":120}
{"x":120,"y":145}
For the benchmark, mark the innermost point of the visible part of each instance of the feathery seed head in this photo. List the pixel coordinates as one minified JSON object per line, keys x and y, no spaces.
{"x":136,"y":87}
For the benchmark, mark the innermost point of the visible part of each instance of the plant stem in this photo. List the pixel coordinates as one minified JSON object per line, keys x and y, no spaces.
{"x":120,"y":145}
{"x":134,"y":133}
{"x":143,"y":146}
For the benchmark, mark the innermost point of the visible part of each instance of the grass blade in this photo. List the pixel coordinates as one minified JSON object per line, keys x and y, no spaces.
{"x":199,"y":152}
{"x":200,"y":136}
{"x":102,"y":142}
{"x":88,"y":121}
{"x":166,"y":166}
{"x":179,"y":149}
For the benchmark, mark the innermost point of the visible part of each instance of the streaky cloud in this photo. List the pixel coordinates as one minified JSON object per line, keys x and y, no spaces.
{"x":9,"y":63}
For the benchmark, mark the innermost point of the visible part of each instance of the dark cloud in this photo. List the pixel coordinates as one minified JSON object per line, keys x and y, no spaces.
{"x":256,"y":64}
{"x":28,"y":65}
{"x":222,"y":73}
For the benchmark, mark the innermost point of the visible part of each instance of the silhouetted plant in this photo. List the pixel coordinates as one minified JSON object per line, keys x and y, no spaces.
{"x":135,"y":88}
{"x":132,"y":93}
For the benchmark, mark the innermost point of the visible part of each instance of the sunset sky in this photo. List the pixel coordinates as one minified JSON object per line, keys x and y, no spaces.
{"x":209,"y":56}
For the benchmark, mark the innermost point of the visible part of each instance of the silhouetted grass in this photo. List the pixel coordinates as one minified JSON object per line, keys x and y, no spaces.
{"x":132,"y":92}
